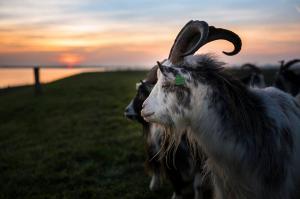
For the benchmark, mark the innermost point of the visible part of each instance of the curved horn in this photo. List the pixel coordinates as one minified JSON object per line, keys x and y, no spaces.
{"x":290,"y":63}
{"x":174,"y":49}
{"x":220,"y":33}
{"x":193,"y":35}
{"x":224,"y":34}
{"x":251,"y":67}
{"x":196,"y":34}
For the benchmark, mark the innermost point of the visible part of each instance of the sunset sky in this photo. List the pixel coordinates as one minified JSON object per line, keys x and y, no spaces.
{"x":138,"y":33}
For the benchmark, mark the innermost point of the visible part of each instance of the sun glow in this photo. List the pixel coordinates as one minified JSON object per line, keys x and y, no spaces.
{"x":70,"y":59}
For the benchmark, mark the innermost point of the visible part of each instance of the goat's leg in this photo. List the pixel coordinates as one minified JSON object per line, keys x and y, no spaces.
{"x":198,"y":191}
{"x":176,"y":196}
{"x":155,"y":182}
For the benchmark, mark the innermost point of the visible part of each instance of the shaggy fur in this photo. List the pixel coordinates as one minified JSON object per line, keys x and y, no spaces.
{"x":177,"y":164}
{"x":251,"y":137}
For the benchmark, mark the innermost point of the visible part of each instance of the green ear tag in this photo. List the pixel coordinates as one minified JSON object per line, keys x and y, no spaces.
{"x":179,"y":80}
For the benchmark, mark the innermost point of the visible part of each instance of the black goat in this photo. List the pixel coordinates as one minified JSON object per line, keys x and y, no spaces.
{"x":255,"y":78}
{"x":286,"y":79}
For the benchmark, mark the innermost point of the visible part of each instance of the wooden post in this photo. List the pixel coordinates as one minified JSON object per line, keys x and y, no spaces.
{"x":37,"y":85}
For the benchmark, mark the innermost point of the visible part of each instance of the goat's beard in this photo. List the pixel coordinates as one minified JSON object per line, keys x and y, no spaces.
{"x":171,"y":140}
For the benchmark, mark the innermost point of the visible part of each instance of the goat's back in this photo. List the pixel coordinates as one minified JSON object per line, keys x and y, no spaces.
{"x":284,"y":110}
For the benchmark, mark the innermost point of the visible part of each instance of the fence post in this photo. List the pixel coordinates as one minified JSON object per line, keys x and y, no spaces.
{"x":37,"y":84}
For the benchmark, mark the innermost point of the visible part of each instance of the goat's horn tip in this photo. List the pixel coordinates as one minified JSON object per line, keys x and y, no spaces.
{"x":228,"y":53}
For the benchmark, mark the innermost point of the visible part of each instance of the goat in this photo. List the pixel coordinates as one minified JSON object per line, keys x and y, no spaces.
{"x":250,"y":136}
{"x":152,"y":142}
{"x":298,"y":98}
{"x":255,"y":78}
{"x":185,"y":174}
{"x":286,"y":79}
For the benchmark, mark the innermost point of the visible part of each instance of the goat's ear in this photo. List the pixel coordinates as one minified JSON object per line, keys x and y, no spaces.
{"x":162,"y":68}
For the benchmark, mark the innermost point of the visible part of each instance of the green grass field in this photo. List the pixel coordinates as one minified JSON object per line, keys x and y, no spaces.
{"x":73,"y":141}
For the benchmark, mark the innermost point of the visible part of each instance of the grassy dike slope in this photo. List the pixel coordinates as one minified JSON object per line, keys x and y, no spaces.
{"x":73,"y":141}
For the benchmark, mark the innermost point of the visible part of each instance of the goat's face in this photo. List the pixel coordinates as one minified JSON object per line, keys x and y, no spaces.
{"x":133,"y":110}
{"x":170,"y":100}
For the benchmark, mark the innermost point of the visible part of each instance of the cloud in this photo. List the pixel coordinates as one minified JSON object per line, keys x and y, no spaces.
{"x":132,"y":31}
{"x":298,"y":8}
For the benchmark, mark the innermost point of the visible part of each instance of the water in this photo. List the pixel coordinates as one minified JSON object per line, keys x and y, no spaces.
{"x":21,"y":76}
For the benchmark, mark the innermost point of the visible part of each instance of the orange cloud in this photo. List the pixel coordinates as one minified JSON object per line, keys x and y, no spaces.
{"x":138,"y":45}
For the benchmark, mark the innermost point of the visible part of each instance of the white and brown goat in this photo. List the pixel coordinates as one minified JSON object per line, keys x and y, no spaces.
{"x":250,"y":136}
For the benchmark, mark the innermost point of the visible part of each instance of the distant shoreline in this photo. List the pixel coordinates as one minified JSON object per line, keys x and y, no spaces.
{"x":16,"y":76}
{"x":118,"y":67}
{"x":19,"y":76}
{"x":106,"y":67}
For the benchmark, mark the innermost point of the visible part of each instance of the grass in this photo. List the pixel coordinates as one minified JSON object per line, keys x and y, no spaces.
{"x":73,"y":141}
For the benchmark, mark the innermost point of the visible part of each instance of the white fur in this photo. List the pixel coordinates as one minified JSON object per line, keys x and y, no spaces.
{"x":225,"y":156}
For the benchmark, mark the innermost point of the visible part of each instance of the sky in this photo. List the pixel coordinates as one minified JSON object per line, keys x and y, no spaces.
{"x":138,"y":33}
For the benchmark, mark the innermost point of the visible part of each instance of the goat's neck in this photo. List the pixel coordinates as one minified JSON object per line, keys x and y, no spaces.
{"x":211,"y":134}
{"x":224,"y":155}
